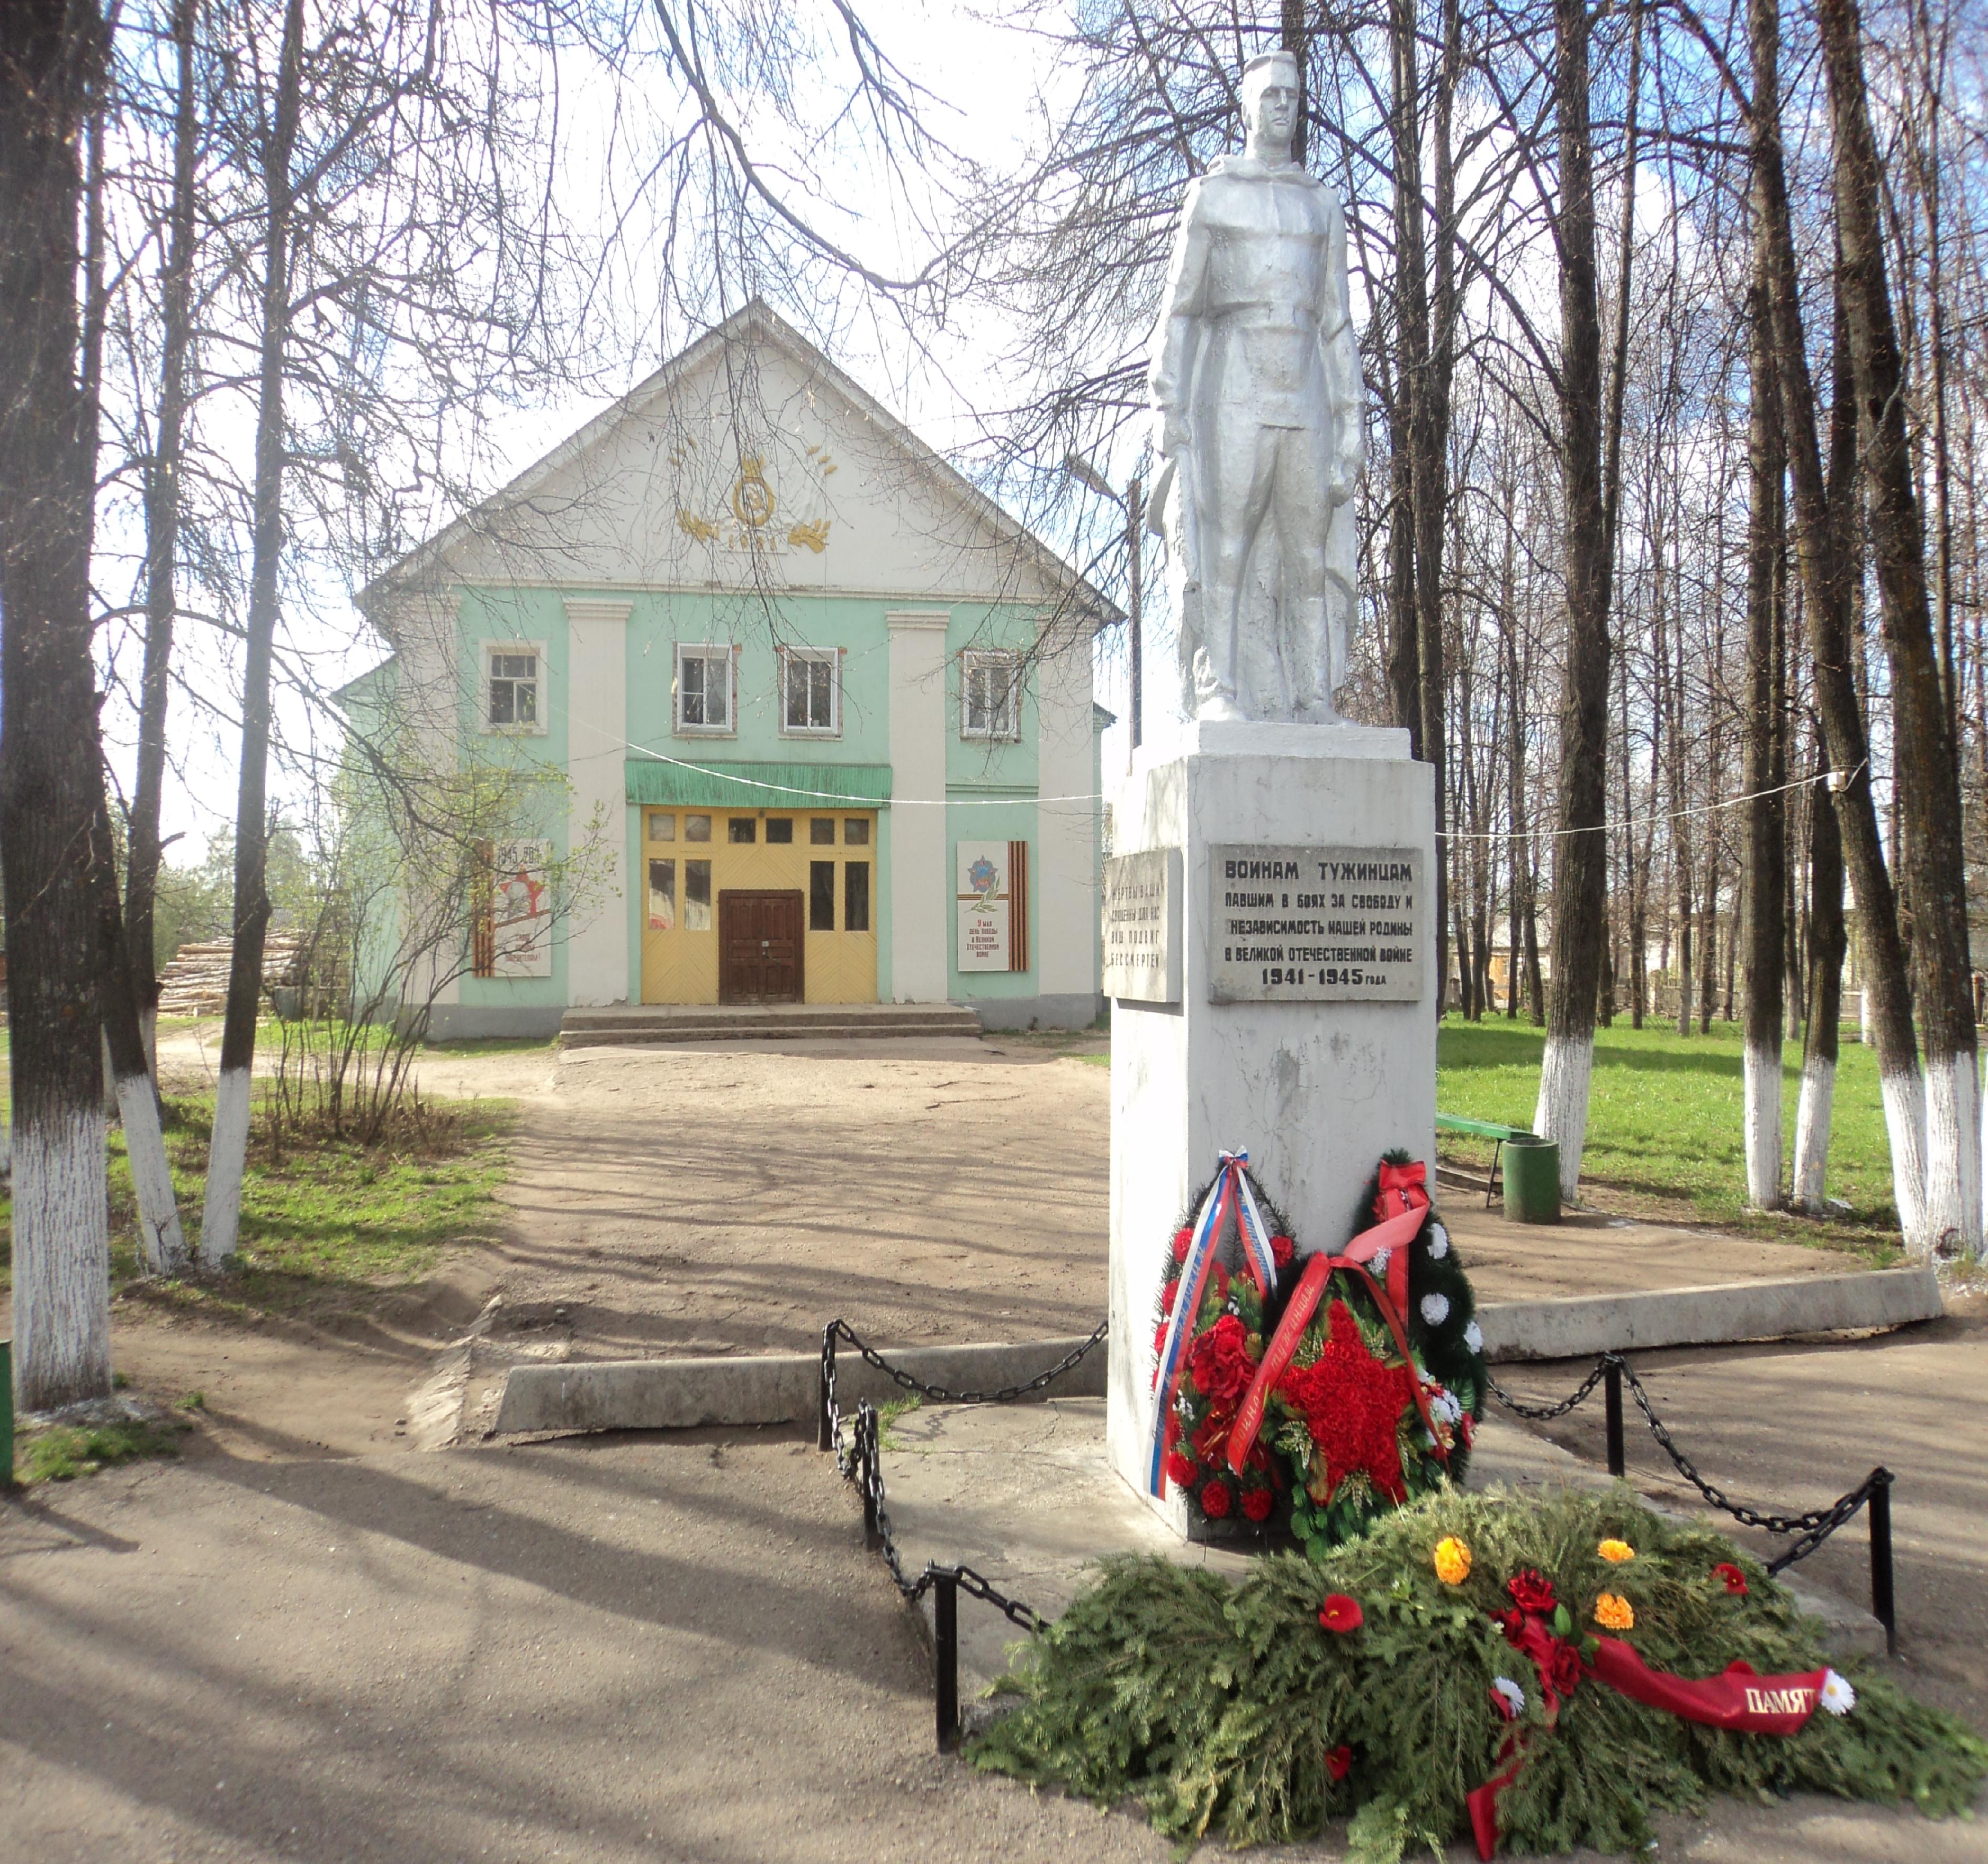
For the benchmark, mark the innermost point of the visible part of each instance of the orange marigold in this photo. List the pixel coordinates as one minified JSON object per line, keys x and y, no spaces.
{"x":1615,"y":1552}
{"x":1613,"y":1612}
{"x":1452,"y":1561}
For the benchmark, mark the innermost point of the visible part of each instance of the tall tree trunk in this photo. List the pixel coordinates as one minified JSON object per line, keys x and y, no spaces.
{"x":1767,"y":844}
{"x":1825,"y":510}
{"x":162,"y":526}
{"x":1580,"y":869}
{"x":1934,"y":860}
{"x":48,"y":759}
{"x":1828,"y":942}
{"x":227,"y":1153}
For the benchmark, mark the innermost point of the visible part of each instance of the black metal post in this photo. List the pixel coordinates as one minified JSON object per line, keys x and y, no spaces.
{"x":1611,"y":1394}
{"x":824,"y":1422}
{"x":865,"y":1451}
{"x":945,"y":1657}
{"x":1883,"y":1606}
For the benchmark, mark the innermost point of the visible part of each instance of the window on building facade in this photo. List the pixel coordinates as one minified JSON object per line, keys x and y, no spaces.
{"x":856,"y":896}
{"x":821,"y":831}
{"x":662,"y":826}
{"x":811,"y":700}
{"x":697,"y":828}
{"x":511,"y":687}
{"x":741,"y":829}
{"x":779,"y":829}
{"x":697,"y":896}
{"x":990,"y":695}
{"x":821,"y":896}
{"x":855,"y":831}
{"x":703,"y":689}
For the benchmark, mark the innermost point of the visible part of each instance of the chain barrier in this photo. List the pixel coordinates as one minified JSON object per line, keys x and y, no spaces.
{"x":860,"y":1460}
{"x":1809,"y":1530}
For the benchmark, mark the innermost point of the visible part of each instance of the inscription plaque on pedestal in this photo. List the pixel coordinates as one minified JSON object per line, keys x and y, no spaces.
{"x":1142,"y":914}
{"x":1315,"y":925}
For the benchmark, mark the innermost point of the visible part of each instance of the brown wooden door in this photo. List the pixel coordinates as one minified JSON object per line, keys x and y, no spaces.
{"x":759,"y":948}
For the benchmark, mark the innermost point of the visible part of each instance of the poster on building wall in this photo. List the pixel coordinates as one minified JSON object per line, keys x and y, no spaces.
{"x":993,"y":905}
{"x":521,"y":908}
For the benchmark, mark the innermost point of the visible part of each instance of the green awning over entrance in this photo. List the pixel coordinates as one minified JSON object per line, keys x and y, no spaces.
{"x":757,"y":786}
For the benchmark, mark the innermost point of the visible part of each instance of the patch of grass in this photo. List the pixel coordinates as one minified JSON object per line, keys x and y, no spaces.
{"x":1094,"y":1061}
{"x":64,"y":1452}
{"x":326,"y":1223}
{"x":494,"y":1045}
{"x":1665,"y":1137}
{"x":888,"y":1414}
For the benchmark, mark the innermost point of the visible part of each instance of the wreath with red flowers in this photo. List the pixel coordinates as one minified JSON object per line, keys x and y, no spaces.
{"x":1355,"y":1425}
{"x":1221,"y":1361}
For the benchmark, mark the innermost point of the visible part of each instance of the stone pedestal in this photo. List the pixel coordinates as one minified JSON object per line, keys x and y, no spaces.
{"x":1333,"y":1064}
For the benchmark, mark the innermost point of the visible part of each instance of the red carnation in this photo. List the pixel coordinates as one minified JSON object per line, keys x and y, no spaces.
{"x":1340,"y":1613}
{"x":1282,"y":1249}
{"x":1563,"y":1673}
{"x":1221,"y":1361}
{"x":1339,"y":1761}
{"x":1169,"y":1294}
{"x":1160,"y":1338}
{"x":1183,"y":1242}
{"x":1258,"y":1502}
{"x":1180,"y":1470}
{"x":1513,"y":1624}
{"x":1214,"y":1500}
{"x":1735,"y":1581}
{"x":1531,"y":1592}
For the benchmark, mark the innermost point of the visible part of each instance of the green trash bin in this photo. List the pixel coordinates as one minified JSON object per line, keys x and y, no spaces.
{"x":1532,"y":1180}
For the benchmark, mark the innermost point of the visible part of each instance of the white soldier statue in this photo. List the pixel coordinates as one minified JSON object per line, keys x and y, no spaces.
{"x":1255,"y":380}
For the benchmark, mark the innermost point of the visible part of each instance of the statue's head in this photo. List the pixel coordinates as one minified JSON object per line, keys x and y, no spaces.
{"x":1270,"y":94}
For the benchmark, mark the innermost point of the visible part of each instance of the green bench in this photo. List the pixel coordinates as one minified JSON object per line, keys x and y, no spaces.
{"x":1499,"y":1136}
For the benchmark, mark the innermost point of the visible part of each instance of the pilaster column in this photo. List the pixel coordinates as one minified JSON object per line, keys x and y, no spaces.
{"x":596,"y":733}
{"x":920,"y":897}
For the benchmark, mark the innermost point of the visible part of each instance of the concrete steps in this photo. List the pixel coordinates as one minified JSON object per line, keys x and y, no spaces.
{"x":654,"y":1023}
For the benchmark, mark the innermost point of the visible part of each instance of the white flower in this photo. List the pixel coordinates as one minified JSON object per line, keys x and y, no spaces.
{"x":1435,"y":1309}
{"x":1473,"y":1338}
{"x":1381,"y":1259}
{"x":1439,"y":1242}
{"x":1515,"y":1697}
{"x":1444,"y":1405}
{"x":1837,"y":1696}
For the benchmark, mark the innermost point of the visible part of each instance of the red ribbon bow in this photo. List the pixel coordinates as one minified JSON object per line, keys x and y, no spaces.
{"x":1403,"y":1187}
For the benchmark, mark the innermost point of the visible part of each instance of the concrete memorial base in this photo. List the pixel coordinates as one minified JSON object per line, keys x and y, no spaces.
{"x":1274,"y":987}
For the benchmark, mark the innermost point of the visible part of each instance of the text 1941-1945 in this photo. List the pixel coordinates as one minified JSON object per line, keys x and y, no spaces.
{"x":1315,"y":925}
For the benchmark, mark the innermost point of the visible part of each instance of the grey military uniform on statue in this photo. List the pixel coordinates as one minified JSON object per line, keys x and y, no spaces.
{"x":1255,"y":380}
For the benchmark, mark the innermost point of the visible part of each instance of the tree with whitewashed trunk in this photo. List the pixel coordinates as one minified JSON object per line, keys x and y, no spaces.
{"x":1766,"y":807}
{"x":1826,"y":510}
{"x":49,"y":56}
{"x":1580,"y":849}
{"x":1928,"y":757}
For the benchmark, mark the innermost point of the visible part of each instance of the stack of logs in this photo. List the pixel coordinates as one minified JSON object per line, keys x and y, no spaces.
{"x":195,"y":983}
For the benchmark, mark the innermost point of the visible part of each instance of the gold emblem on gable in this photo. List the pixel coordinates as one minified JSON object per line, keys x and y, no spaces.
{"x":766,"y":509}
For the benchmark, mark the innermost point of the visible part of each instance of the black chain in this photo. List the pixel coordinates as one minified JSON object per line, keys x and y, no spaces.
{"x":1542,"y":1412}
{"x":1812,"y":1528}
{"x":862,"y":1462}
{"x":1007,"y":1394}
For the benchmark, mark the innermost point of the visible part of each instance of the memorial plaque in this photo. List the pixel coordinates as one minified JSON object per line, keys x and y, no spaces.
{"x":1142,"y":916}
{"x":1315,"y":925}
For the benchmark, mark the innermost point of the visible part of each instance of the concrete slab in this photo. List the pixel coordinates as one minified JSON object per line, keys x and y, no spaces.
{"x":764,"y":1388}
{"x":677,"y":1394}
{"x":1027,"y":1499}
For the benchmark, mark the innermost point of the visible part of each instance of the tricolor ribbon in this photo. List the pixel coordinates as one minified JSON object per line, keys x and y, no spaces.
{"x":1736,"y":1699}
{"x":1394,"y":1235}
{"x":1229,"y":1193}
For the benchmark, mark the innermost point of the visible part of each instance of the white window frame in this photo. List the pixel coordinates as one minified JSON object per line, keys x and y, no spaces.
{"x":487,"y":653}
{"x":1003,"y":730}
{"x":831,"y":657}
{"x":707,"y":651}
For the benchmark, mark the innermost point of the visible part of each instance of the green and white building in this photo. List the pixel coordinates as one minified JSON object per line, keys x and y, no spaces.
{"x":822,"y":711}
